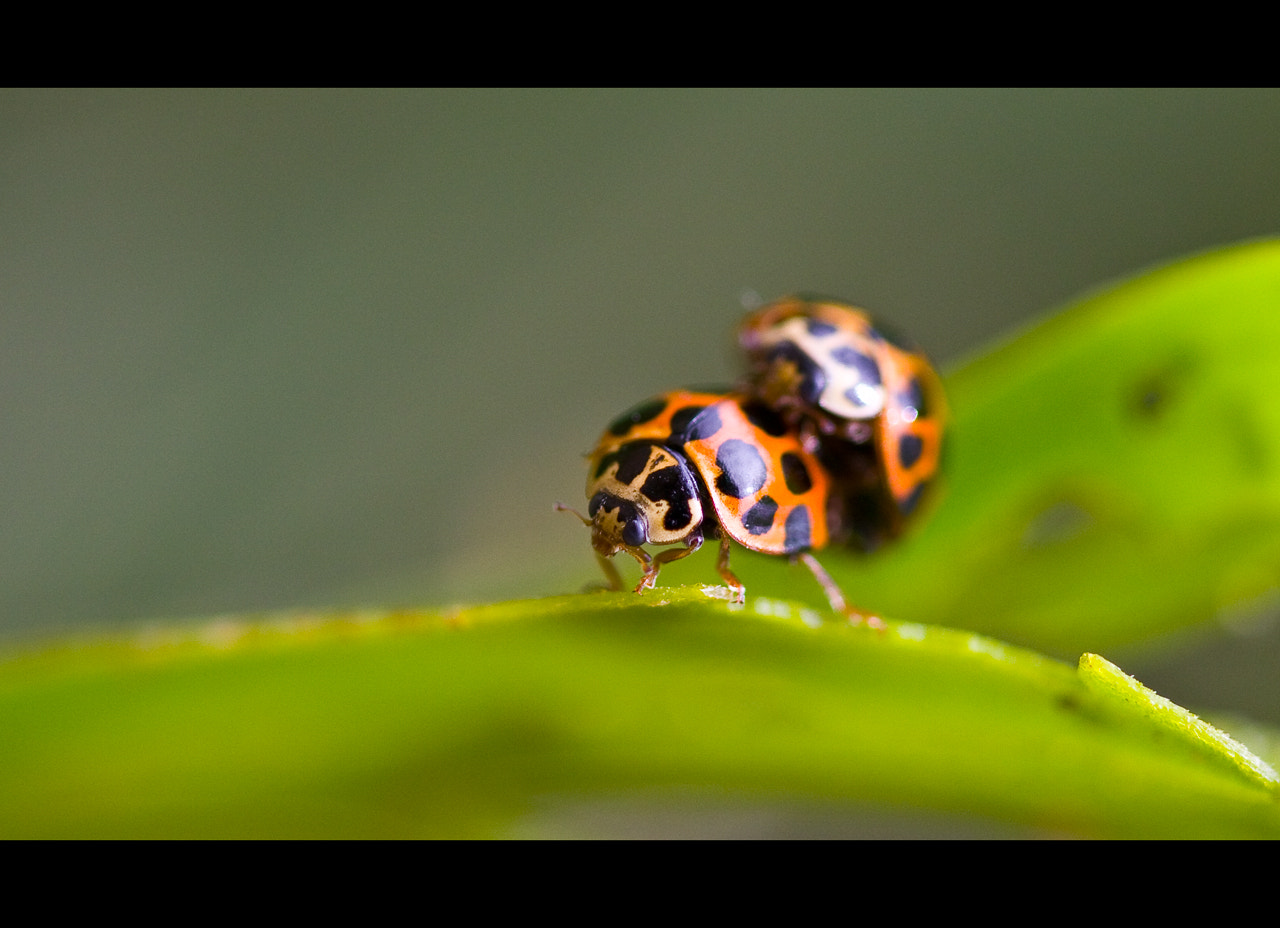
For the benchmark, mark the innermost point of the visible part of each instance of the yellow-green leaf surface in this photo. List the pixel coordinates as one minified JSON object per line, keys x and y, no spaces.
{"x":470,"y":724}
{"x":1112,"y":474}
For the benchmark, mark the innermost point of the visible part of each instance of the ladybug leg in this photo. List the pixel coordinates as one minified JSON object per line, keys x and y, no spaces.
{"x":612,"y":578}
{"x":611,"y":574}
{"x":666,"y":557}
{"x":836,"y":597}
{"x":722,"y":565}
{"x":650,"y":569}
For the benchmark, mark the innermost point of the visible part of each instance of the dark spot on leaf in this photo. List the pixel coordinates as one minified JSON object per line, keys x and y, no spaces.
{"x":1154,"y":394}
{"x":1057,"y":523}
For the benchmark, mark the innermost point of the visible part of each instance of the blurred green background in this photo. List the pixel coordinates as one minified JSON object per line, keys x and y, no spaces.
{"x":295,"y":348}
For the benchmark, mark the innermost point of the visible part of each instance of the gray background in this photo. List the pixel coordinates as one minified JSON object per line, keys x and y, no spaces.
{"x":282,"y":348}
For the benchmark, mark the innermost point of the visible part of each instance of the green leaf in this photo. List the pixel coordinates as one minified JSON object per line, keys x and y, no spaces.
{"x":467,"y":725}
{"x":1112,"y":475}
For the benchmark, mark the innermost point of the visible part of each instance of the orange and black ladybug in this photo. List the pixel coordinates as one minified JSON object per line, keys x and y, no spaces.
{"x":870,"y":406}
{"x":688,"y":466}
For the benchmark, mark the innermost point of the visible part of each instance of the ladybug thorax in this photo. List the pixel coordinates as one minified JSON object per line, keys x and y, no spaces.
{"x":642,"y":493}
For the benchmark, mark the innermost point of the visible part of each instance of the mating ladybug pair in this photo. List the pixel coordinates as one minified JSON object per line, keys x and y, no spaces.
{"x":832,"y":440}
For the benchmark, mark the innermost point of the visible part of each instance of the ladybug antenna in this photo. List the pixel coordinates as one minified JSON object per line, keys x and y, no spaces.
{"x":561,"y":507}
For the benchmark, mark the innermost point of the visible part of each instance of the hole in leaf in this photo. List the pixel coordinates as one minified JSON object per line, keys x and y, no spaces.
{"x":1060,"y":522}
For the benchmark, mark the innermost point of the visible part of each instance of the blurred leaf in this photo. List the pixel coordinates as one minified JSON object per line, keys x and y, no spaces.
{"x":422,"y":725}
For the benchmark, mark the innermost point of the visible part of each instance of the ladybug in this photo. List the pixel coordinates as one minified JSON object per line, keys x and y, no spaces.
{"x":693,"y":465}
{"x":869,"y":405}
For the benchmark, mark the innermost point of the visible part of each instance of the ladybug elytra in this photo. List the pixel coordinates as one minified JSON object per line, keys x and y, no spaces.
{"x":869,"y":404}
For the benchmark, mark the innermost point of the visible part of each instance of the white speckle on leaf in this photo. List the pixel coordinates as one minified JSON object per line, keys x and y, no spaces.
{"x":912,"y":631}
{"x":718,"y":592}
{"x":980,"y":645}
{"x":771,"y":607}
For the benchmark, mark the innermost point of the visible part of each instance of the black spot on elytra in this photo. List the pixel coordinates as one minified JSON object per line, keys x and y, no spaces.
{"x":632,"y":458}
{"x":759,"y":518}
{"x":765,"y":418}
{"x":868,"y":370}
{"x":914,"y":396}
{"x":693,"y":423}
{"x":647,"y":410}
{"x":796,"y":474}
{"x":604,"y":464}
{"x":660,"y":484}
{"x":673,"y":485}
{"x":910,"y":448}
{"x":678,"y":516}
{"x":742,"y":469}
{"x":908,"y":503}
{"x":799,"y":530}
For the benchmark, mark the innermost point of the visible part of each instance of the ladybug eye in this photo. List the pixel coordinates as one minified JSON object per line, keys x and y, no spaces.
{"x":634,"y":533}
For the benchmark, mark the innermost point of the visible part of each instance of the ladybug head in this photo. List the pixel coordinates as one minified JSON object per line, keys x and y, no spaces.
{"x":641,"y":493}
{"x":616,"y":524}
